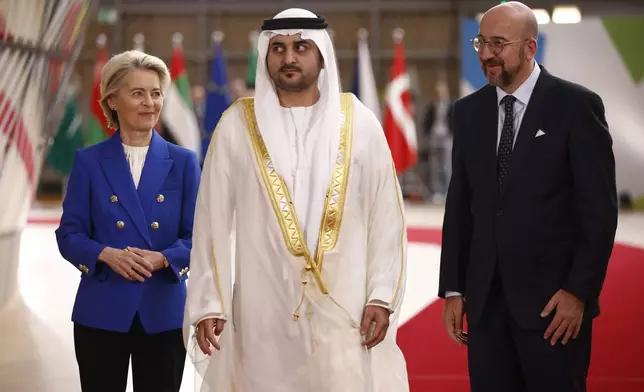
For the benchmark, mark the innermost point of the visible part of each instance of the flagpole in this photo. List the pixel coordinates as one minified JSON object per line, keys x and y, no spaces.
{"x":177,"y":40}
{"x":398,"y":35}
{"x":253,"y":36}
{"x":101,"y":41}
{"x":217,"y":37}
{"x":139,"y":42}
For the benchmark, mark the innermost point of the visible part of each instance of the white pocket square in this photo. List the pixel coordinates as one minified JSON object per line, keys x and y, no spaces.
{"x":539,"y":133}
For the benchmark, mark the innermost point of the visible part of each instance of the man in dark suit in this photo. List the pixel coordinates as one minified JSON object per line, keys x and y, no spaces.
{"x":530,"y":217}
{"x":439,"y":133}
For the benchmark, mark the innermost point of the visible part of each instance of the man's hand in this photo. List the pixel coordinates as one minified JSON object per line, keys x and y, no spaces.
{"x":379,"y":316}
{"x":568,"y":317}
{"x":453,"y":319}
{"x":207,"y":330}
{"x":157,"y":259}
{"x":127,"y":264}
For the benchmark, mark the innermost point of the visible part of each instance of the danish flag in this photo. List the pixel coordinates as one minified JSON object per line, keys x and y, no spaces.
{"x":399,"y":125}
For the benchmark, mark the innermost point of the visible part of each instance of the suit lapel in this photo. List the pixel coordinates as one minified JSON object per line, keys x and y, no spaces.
{"x":157,"y":166}
{"x":489,"y":118}
{"x":117,"y":171}
{"x":532,"y":120}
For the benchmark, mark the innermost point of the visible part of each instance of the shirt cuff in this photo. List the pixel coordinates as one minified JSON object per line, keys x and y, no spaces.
{"x":211,"y":316}
{"x":382,"y":304}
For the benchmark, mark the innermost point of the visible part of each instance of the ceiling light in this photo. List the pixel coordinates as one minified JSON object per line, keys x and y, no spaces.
{"x":542,"y":16}
{"x":566,"y":14}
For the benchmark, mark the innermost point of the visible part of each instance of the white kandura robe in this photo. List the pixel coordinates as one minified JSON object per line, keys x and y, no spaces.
{"x":263,"y":349}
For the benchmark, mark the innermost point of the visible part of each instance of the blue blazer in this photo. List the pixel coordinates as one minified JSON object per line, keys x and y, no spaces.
{"x":103,"y":208}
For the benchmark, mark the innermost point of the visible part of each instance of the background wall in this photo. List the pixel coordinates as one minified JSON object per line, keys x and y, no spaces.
{"x":431,"y":38}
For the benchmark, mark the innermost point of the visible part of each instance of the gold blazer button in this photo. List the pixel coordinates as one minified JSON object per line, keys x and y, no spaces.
{"x":154,"y":225}
{"x":160,"y":198}
{"x":120,"y":225}
{"x":114,"y":199}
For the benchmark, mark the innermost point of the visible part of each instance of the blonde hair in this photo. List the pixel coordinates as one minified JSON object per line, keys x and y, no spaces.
{"x":118,"y":67}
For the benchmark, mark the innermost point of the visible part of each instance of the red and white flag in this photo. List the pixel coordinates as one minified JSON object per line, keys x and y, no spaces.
{"x":399,"y":125}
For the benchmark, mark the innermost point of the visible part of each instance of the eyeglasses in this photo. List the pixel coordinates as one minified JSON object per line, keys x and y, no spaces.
{"x":496,"y":45}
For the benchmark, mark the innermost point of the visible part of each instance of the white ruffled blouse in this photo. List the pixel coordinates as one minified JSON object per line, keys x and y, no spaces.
{"x":136,"y":158}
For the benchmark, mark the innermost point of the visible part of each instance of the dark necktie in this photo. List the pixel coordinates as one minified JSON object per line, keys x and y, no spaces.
{"x":506,"y":141}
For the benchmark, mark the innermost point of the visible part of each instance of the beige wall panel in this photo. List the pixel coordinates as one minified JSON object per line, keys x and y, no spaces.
{"x":346,"y":69}
{"x":94,"y":29}
{"x":85,"y":71}
{"x":236,"y":28}
{"x":192,"y":67}
{"x":423,"y":29}
{"x":425,"y":73}
{"x":237,"y":69}
{"x":158,"y":30}
{"x":345,"y":28}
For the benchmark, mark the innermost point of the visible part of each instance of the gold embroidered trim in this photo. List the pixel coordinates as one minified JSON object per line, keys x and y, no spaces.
{"x":337,"y":193}
{"x":281,"y":199}
{"x":402,"y":238}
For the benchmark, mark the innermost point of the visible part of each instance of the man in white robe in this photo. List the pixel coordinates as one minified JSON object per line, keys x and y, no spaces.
{"x":319,"y":235}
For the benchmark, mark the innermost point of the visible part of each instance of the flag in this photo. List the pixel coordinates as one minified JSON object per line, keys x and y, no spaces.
{"x":97,"y":130}
{"x":399,"y":125}
{"x":68,"y":138}
{"x":251,"y":69}
{"x":178,"y":114}
{"x":217,"y":93}
{"x":364,"y":82}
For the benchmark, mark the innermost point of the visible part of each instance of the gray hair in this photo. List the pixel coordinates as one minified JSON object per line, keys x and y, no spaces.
{"x":118,"y":67}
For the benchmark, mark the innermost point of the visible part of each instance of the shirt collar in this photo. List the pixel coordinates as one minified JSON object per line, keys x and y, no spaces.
{"x":523,"y":93}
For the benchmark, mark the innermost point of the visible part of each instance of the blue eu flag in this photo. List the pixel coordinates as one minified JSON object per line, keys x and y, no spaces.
{"x":217,"y":95}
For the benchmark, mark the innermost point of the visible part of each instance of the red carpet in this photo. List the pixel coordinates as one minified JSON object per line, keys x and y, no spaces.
{"x":435,"y":364}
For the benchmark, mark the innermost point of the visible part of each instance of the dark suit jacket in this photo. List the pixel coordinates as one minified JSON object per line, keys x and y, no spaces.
{"x":156,"y":216}
{"x":430,"y":117}
{"x":553,"y":225}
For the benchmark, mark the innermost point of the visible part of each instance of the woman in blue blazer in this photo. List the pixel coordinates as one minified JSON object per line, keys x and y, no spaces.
{"x":127,"y":226}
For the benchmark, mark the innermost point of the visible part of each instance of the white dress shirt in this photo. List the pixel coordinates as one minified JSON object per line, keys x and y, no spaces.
{"x":522,"y":95}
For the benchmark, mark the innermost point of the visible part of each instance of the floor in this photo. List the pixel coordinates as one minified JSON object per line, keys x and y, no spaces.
{"x":36,"y":349}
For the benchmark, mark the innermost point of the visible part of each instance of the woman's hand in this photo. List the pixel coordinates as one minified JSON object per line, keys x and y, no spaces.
{"x":157,"y":259}
{"x":129,"y":265}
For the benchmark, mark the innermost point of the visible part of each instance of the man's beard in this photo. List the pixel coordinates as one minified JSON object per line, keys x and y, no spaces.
{"x":507,"y":76}
{"x":303,"y":83}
